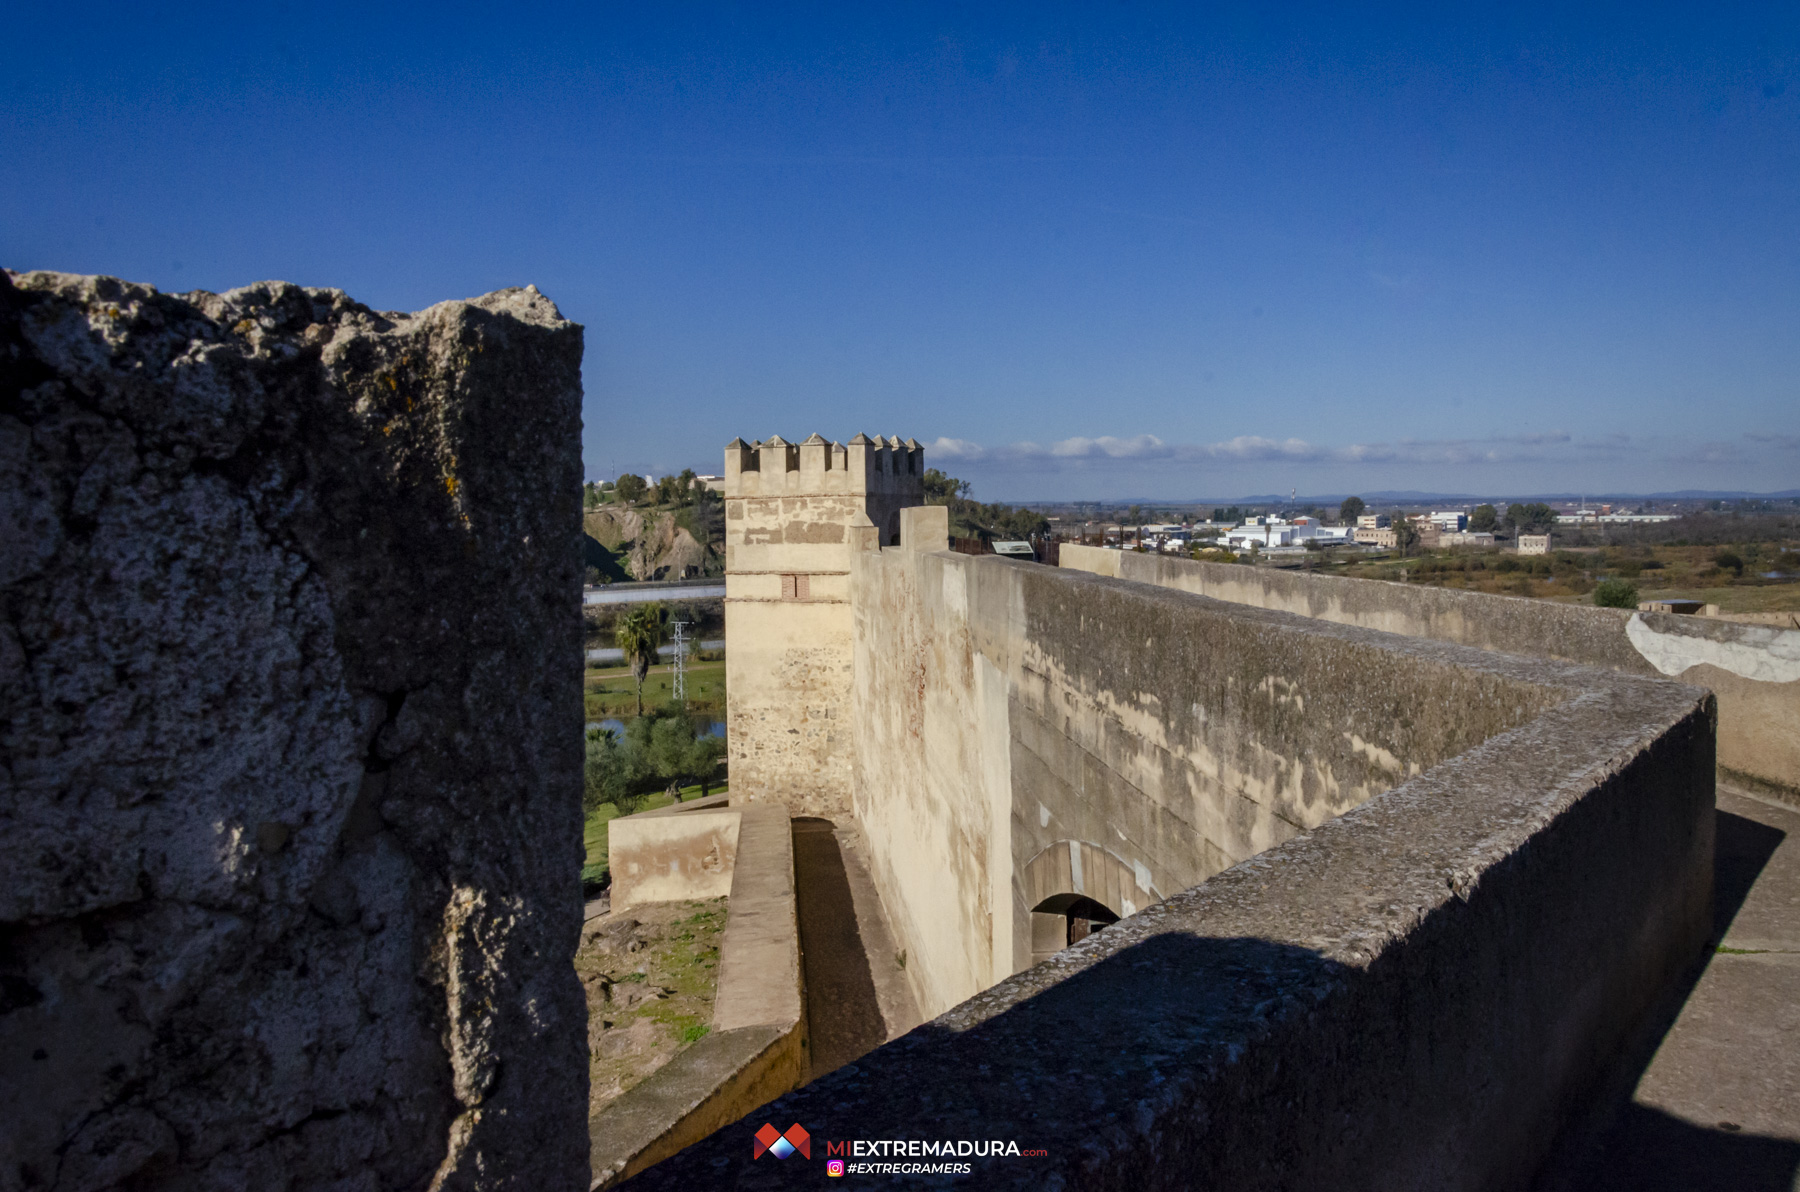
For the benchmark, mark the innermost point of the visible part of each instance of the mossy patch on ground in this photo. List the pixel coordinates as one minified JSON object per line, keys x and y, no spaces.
{"x":650,"y":973}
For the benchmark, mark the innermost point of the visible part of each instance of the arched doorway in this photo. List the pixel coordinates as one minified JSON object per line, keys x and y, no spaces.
{"x":1081,"y":916}
{"x":1075,"y":888}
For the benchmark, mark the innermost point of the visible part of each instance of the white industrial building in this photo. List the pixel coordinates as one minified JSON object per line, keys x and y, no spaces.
{"x":1270,"y":533}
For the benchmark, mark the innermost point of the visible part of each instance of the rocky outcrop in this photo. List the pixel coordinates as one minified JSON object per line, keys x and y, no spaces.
{"x":653,"y":545}
{"x":290,"y":724}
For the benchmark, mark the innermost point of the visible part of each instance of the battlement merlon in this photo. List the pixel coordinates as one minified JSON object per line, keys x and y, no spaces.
{"x":889,"y":468}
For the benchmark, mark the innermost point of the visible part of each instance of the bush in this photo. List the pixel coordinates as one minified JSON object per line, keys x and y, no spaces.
{"x":1727,"y":561}
{"x":656,"y":750}
{"x":1616,"y":593}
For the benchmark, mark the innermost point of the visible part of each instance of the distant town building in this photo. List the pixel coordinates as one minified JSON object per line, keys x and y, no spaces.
{"x":714,"y":483}
{"x":1596,"y":517}
{"x":1450,"y":522}
{"x":1534,"y":544}
{"x":1372,"y":521}
{"x":1273,"y":533}
{"x":1466,"y":538}
{"x":1375,"y":536}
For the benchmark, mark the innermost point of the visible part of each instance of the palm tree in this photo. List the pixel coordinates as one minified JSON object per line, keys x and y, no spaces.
{"x":639,"y":635}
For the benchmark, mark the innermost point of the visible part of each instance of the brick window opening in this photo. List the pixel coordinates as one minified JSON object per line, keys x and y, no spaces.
{"x":796,"y":587}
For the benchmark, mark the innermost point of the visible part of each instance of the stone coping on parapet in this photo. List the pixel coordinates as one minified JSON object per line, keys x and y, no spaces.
{"x":1487,"y":620}
{"x":1410,"y":995}
{"x":756,"y":1049}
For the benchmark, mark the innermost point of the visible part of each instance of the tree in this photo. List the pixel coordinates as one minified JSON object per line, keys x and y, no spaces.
{"x":1534,"y":518}
{"x":662,"y":749}
{"x":639,"y":633}
{"x":971,"y":519}
{"x":1484,"y":519}
{"x":1351,"y":509}
{"x":1727,"y":561}
{"x":1406,"y":535}
{"x":1616,"y":593}
{"x":677,"y":490}
{"x":941,"y":489}
{"x":631,"y":488}
{"x":705,"y":517}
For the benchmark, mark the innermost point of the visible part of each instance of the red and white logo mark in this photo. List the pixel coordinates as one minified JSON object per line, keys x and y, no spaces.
{"x":772,"y":1141}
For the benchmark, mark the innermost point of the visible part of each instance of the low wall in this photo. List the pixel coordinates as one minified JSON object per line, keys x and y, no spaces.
{"x":757,"y":1048}
{"x":1414,"y":994}
{"x":674,"y":853}
{"x":1754,"y":670}
{"x":290,"y":687}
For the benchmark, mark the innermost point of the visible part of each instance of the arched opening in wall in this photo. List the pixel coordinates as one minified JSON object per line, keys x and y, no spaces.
{"x":1084,"y":886}
{"x":1081,"y":916}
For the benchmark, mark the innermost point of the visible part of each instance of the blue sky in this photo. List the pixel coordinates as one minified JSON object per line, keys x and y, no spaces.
{"x":1110,"y":251}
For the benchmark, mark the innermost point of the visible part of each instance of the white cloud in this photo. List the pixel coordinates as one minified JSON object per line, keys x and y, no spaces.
{"x":1081,"y":452}
{"x":942,"y":448}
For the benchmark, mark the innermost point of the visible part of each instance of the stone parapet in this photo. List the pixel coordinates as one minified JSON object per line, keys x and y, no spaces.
{"x":290,"y":681}
{"x":673,"y":854}
{"x":1753,"y":669}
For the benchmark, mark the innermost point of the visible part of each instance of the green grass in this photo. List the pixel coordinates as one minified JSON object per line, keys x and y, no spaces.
{"x":594,"y":831}
{"x":611,"y":692}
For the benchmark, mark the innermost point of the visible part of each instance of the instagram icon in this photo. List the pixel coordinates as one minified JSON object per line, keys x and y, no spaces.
{"x":834,"y":1167}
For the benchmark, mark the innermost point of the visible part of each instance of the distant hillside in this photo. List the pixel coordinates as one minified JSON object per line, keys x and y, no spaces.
{"x":644,"y":544}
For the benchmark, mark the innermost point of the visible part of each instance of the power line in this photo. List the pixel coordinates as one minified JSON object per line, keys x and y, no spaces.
{"x":680,"y":692}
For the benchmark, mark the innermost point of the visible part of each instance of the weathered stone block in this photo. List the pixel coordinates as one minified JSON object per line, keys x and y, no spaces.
{"x":290,"y":719}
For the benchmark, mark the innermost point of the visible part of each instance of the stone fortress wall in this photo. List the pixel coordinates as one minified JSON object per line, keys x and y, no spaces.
{"x":290,"y":691}
{"x":1753,"y":670}
{"x":1024,"y":732}
{"x":1398,"y":901}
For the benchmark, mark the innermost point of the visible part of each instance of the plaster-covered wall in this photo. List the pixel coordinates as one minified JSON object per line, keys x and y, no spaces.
{"x":1753,"y":670}
{"x":1004,"y":710}
{"x":290,"y":708}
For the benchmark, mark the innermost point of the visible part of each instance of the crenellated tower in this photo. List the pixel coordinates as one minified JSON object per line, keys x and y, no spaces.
{"x":795,"y":515}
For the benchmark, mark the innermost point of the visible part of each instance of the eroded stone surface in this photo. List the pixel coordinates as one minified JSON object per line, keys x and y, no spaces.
{"x":289,"y":714}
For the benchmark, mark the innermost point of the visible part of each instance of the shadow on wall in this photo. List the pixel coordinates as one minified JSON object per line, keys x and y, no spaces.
{"x":1143,"y":1111}
{"x":1648,"y":1150}
{"x":1741,"y":849}
{"x":1628,"y":1147}
{"x":843,"y":1015}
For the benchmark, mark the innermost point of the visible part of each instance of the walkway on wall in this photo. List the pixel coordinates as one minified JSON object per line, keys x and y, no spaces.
{"x":1715,"y":1101}
{"x":844,"y":1009}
